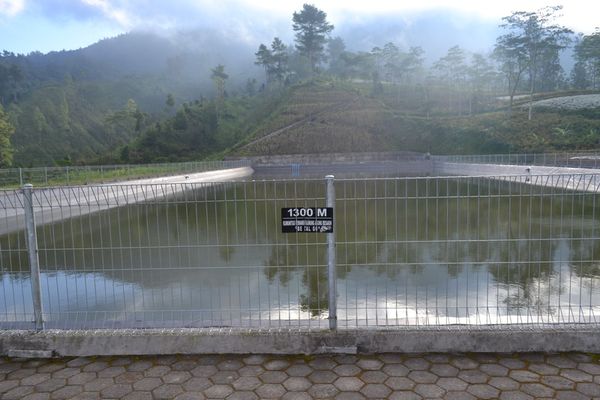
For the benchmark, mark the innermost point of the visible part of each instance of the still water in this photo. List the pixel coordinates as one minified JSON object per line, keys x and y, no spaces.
{"x":410,"y":251}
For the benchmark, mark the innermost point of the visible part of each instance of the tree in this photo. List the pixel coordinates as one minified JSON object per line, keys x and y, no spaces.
{"x":170,"y":102}
{"x":6,"y":131}
{"x":533,"y":37}
{"x":311,"y":29}
{"x":453,"y":69}
{"x":279,"y":59}
{"x":264,"y":58}
{"x":587,"y":54}
{"x":219,"y":77}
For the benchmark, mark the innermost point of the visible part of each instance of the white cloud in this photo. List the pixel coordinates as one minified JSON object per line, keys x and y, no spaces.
{"x":112,"y":12}
{"x":11,"y":8}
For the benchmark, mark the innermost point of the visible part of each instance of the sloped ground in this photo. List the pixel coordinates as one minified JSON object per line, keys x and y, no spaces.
{"x":392,"y":376}
{"x":584,"y":101}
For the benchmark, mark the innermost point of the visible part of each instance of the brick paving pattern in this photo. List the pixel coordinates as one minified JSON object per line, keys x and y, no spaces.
{"x":384,"y":376}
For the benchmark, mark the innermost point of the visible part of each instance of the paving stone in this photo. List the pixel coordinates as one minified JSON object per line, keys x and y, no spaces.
{"x":116,"y":391}
{"x":404,"y":395}
{"x":371,"y":364}
{"x":66,"y":372}
{"x":373,"y":377}
{"x":459,"y":396}
{"x":297,"y":384}
{"x":561,"y":362}
{"x":276,"y":365}
{"x":294,"y":396}
{"x":178,"y":377}
{"x":375,"y":391}
{"x":197,"y":384}
{"x":589,"y":389}
{"x":270,"y":391}
{"x":437,"y":358}
{"x":473,"y":376}
{"x":96,"y":366}
{"x":537,"y":390}
{"x":227,"y":365}
{"x":246,"y":383}
{"x":348,"y":384}
{"x":35,"y":379}
{"x":558,"y":382}
{"x":223,"y":377}
{"x":543,"y":369}
{"x":170,"y":391}
{"x":121,"y":361}
{"x":580,"y":357}
{"x":562,"y":395}
{"x":322,"y":363}
{"x":451,"y":384}
{"x":400,"y":383}
{"x":513,"y":395}
{"x":21,"y":373}
{"x":273,"y":377}
{"x":349,"y":396}
{"x":111,"y":372}
{"x":493,"y":369}
{"x":147,"y":384}
{"x":444,"y":370}
{"x":464,"y":363}
{"x":346,"y":370}
{"x":79,"y":362}
{"x":486,"y":357}
{"x":201,"y":370}
{"x":593,"y":369}
{"x":37,"y":396}
{"x":576,"y":375}
{"x":204,"y":360}
{"x":66,"y":392}
{"x":139,"y":366}
{"x":81,"y":378}
{"x":512,"y":363}
{"x":504,"y":383}
{"x":322,"y":377}
{"x":254,"y":359}
{"x":142,"y":396}
{"x":5,"y":386}
{"x":51,"y":367}
{"x":17,"y":393}
{"x":89,"y":396}
{"x":524,"y":376}
{"x":129,"y":377}
{"x":483,"y":391}
{"x":186,"y":365}
{"x":256,"y":370}
{"x":389,"y":358}
{"x":415,"y":364}
{"x":241,"y":395}
{"x":422,"y":377}
{"x":53,"y":384}
{"x":429,"y":391}
{"x":396,"y":370}
{"x":323,"y":391}
{"x":98,"y":384}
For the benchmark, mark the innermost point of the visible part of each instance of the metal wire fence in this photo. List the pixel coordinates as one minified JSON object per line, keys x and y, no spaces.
{"x":577,"y":159}
{"x":74,"y":175}
{"x":410,"y":252}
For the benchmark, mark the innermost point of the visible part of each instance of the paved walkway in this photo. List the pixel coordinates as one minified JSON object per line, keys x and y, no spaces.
{"x":392,"y":376}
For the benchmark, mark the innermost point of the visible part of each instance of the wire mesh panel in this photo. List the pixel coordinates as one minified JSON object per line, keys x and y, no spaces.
{"x":469,"y":251}
{"x":205,"y":255}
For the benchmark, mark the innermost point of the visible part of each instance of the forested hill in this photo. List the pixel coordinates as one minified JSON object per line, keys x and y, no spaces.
{"x":71,"y":106}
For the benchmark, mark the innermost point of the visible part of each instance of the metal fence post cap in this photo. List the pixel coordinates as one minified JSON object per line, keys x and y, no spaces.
{"x":329,"y":176}
{"x":27,"y":186}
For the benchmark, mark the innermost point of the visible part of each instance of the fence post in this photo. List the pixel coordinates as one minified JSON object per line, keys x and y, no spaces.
{"x":34,"y":262}
{"x":331,"y":263}
{"x":20,"y":176}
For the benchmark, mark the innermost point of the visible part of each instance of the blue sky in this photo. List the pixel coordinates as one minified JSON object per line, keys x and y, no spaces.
{"x":46,"y":25}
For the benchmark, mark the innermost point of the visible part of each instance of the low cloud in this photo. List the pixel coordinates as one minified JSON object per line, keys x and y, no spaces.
{"x":11,"y":8}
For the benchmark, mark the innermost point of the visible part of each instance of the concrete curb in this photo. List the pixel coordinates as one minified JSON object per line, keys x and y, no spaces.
{"x":204,"y":341}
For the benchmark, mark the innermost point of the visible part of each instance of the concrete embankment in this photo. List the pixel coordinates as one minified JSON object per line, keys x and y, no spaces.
{"x":580,"y":179}
{"x":59,"y":203}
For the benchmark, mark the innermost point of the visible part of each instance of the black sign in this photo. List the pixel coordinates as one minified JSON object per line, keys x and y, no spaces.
{"x":307,"y":219}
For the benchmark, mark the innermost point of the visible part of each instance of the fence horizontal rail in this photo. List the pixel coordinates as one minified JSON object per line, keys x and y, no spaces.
{"x":410,"y":252}
{"x":578,"y":159}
